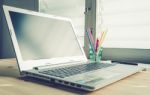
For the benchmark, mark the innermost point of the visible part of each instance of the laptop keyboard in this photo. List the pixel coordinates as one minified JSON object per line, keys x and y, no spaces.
{"x":73,"y":70}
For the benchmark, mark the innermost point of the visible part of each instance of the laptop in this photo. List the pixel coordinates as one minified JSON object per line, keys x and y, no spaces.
{"x":47,"y":48}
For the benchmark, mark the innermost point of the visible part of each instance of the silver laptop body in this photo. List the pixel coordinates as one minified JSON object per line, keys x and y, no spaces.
{"x":46,"y":42}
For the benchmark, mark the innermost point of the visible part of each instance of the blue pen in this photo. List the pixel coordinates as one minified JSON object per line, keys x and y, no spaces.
{"x":90,"y":41}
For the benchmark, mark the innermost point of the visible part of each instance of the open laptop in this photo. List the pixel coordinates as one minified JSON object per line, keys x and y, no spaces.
{"x":47,"y":48}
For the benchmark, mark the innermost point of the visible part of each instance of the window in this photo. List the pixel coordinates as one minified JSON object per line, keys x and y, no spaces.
{"x":127,"y":21}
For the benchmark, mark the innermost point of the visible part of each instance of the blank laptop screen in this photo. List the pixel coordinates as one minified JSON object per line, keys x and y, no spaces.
{"x":44,"y":38}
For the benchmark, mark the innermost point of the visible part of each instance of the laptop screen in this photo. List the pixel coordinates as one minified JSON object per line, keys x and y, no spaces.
{"x":44,"y":38}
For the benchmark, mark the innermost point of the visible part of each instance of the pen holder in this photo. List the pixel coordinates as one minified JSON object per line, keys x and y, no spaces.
{"x":91,"y":54}
{"x":99,"y":55}
{"x":95,"y":57}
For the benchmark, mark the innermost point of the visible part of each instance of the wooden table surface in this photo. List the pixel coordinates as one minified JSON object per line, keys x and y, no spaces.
{"x":10,"y":84}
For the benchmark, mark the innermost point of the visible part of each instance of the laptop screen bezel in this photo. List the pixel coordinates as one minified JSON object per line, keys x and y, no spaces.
{"x":30,"y":64}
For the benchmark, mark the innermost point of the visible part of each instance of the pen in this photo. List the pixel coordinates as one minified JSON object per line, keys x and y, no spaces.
{"x":101,"y":41}
{"x":97,"y":44}
{"x":90,"y":41}
{"x":91,"y":36}
{"x":125,"y":62}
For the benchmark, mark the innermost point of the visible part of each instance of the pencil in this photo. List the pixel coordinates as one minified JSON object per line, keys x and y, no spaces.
{"x":100,"y":39}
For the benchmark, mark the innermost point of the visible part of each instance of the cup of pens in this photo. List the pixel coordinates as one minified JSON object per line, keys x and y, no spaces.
{"x":95,"y":48}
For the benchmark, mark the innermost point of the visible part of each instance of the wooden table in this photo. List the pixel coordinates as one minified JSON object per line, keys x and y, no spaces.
{"x":10,"y":84}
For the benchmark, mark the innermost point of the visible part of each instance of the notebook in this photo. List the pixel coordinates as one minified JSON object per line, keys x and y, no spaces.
{"x":47,"y":48}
